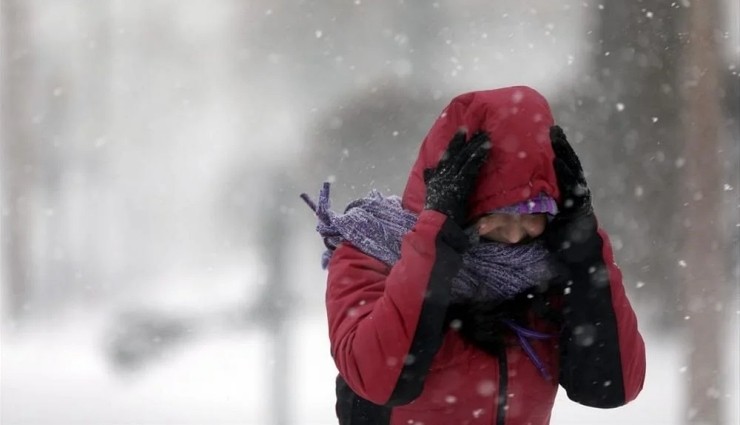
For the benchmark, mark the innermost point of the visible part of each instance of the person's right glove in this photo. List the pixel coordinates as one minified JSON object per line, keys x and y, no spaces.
{"x":571,"y":233}
{"x":451,"y":182}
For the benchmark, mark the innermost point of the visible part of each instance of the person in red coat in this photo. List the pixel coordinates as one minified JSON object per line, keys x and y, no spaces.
{"x":488,"y":284}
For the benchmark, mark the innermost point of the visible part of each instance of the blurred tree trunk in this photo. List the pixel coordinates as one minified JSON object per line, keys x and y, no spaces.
{"x":276,"y":303}
{"x":17,"y":161}
{"x":87,"y":251}
{"x":704,"y":247}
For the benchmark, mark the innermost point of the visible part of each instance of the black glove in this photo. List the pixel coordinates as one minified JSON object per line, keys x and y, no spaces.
{"x":451,"y":182}
{"x":589,"y":343}
{"x":571,"y":233}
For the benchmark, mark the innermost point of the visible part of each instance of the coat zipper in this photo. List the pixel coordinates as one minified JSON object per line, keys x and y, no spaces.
{"x":503,"y":377}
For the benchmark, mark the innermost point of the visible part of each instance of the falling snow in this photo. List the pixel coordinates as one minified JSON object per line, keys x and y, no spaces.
{"x":177,"y":147}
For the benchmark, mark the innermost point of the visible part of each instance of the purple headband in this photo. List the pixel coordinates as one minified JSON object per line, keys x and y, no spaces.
{"x":541,"y":203}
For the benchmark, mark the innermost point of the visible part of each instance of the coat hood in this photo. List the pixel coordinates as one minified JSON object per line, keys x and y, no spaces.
{"x":519,"y":166}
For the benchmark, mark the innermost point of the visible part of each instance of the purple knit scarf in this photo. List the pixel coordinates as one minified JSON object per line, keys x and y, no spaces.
{"x":376,"y":224}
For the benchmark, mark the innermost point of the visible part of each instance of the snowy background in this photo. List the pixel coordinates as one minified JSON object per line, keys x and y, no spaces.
{"x":158,"y":266}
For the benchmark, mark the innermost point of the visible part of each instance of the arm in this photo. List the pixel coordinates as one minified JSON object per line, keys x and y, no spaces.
{"x":386,"y":325}
{"x":602,"y":355}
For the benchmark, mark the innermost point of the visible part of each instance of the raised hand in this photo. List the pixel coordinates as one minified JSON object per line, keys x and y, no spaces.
{"x":570,"y":233}
{"x":451,"y":182}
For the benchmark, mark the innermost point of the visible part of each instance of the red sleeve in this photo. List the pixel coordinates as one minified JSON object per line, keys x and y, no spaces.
{"x":631,"y":344}
{"x":386,"y":324}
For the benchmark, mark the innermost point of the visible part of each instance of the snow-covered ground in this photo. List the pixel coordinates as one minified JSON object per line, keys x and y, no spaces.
{"x":58,"y":375}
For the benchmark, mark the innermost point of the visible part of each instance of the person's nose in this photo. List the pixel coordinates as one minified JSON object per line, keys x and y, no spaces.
{"x":515,"y":234}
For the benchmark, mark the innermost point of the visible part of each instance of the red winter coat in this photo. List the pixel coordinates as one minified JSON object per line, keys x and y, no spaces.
{"x":400,"y":364}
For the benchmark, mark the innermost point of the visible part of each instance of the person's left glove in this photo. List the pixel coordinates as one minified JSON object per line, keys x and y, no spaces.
{"x":571,"y":233}
{"x":451,"y":182}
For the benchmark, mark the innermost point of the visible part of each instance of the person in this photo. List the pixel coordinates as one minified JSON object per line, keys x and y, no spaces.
{"x":488,"y":283}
